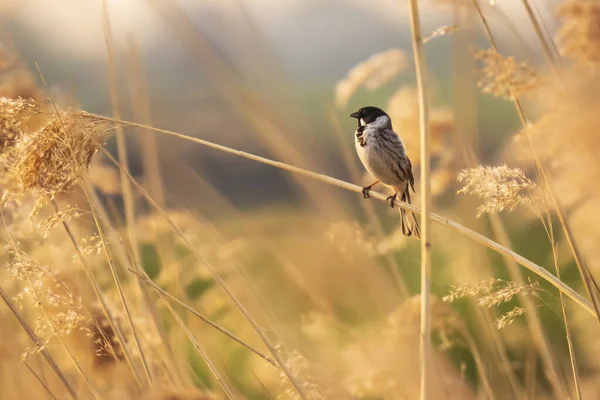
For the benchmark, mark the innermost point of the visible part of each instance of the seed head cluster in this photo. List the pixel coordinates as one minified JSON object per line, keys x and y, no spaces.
{"x":49,"y":160}
{"x":500,"y":188}
{"x":505,"y":76}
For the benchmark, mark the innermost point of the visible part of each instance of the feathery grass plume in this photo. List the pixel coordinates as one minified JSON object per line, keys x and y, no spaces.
{"x":491,"y":292}
{"x":509,"y":317}
{"x":441,"y":31}
{"x":372,"y":73}
{"x":14,"y":113}
{"x":579,"y":35}
{"x":43,"y":288}
{"x":494,"y":292}
{"x":505,"y":76}
{"x":505,"y":291}
{"x":500,"y":188}
{"x":44,"y":226}
{"x":48,"y":161}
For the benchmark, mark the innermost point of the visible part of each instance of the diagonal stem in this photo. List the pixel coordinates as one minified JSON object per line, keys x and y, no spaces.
{"x":524,"y":262}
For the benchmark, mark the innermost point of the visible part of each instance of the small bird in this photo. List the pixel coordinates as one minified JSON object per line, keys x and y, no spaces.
{"x":382,"y":153}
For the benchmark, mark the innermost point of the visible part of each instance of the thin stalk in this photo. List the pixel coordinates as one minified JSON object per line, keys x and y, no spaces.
{"x":425,"y":334}
{"x":201,"y":351}
{"x":527,"y":264}
{"x":39,"y":379}
{"x":572,"y":357}
{"x":211,"y":269}
{"x":101,"y":234}
{"x":218,"y":327}
{"x":128,"y":200}
{"x":38,"y":342}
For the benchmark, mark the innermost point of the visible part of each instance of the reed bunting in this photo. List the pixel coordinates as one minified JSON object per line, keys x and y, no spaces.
{"x":382,"y":153}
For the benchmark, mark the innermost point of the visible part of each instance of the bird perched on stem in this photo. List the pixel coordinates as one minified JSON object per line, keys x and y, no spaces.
{"x":382,"y":153}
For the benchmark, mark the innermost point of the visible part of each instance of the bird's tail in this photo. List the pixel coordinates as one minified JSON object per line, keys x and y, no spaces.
{"x":408,"y":228}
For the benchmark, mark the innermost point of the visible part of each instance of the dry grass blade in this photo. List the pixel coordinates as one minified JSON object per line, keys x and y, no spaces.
{"x":201,"y":351}
{"x":36,"y":340}
{"x":218,"y":327}
{"x":528,"y":264}
{"x":425,"y":335}
{"x":40,"y":380}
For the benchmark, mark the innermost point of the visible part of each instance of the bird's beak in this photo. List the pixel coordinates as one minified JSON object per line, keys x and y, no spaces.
{"x":355,"y":115}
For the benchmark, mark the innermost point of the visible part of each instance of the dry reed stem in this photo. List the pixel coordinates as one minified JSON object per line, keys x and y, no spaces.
{"x":217,"y":279}
{"x":572,"y":356}
{"x":528,"y":264}
{"x":78,"y":367}
{"x":38,"y":342}
{"x":104,"y":245}
{"x":218,"y":327}
{"x":129,"y":202}
{"x":425,"y":334}
{"x":200,"y":350}
{"x":40,"y":380}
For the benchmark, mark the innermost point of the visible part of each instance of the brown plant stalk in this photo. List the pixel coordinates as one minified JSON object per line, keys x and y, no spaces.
{"x":425,"y":334}
{"x":526,"y":263}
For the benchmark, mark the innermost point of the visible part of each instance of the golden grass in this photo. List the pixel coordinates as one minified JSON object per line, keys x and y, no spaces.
{"x":316,"y":299}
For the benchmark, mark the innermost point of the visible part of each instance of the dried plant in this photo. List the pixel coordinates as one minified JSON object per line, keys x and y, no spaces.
{"x":579,"y":35}
{"x":500,"y":188}
{"x":494,"y":292}
{"x":372,"y":73}
{"x":49,"y":161}
{"x":509,"y":317}
{"x":505,"y":76}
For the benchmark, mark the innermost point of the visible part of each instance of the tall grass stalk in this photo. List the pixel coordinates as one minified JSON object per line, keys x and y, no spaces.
{"x":419,"y":56}
{"x":38,"y":342}
{"x":40,"y":380}
{"x":163,"y":293}
{"x":128,"y":200}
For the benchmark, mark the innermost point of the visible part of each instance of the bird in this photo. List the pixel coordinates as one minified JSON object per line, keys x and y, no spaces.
{"x":382,"y":153}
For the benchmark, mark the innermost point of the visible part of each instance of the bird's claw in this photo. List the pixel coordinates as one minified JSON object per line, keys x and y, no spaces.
{"x":365,"y":192}
{"x":391,"y":199}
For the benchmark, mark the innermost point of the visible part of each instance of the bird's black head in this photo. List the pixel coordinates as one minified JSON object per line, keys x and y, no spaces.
{"x":368,"y":114}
